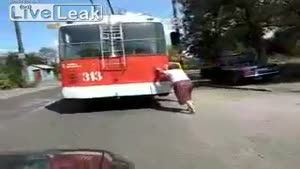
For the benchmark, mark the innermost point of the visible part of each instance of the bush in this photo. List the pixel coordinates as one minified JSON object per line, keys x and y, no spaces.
{"x":286,"y":42}
{"x":14,"y":70}
{"x":172,"y":53}
{"x":296,"y":51}
{"x":11,"y":73}
{"x":5,"y":81}
{"x":191,"y":64}
{"x":15,"y":76}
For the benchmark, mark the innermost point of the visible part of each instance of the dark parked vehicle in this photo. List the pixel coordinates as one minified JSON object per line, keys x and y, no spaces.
{"x":235,"y":68}
{"x":64,"y":159}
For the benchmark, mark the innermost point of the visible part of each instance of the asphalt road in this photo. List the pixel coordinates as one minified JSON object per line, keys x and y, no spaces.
{"x":231,"y":130}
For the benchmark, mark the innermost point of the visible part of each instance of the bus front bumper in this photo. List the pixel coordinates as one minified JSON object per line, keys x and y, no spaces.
{"x":118,"y":90}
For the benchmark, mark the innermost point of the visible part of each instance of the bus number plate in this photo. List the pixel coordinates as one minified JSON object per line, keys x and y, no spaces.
{"x":92,"y":76}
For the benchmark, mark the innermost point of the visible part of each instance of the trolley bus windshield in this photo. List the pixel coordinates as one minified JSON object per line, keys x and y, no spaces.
{"x":84,"y":41}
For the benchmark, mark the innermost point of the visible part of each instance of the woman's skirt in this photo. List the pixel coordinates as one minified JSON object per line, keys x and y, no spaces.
{"x":183,"y":91}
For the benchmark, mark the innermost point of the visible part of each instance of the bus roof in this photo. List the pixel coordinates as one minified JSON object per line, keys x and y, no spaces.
{"x":114,"y":19}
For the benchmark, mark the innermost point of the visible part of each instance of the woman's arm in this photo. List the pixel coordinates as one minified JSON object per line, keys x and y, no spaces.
{"x":160,"y":70}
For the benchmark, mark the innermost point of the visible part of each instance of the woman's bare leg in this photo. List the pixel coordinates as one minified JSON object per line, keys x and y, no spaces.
{"x":191,"y":106}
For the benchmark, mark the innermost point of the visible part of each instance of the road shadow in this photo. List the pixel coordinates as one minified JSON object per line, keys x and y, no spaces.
{"x":165,"y":100}
{"x":158,"y":106}
{"x":66,"y":106}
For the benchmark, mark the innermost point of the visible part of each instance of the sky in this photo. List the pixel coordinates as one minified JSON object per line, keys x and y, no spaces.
{"x":36,"y":35}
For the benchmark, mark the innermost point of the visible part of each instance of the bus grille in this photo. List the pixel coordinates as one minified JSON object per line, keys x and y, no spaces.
{"x":73,"y":77}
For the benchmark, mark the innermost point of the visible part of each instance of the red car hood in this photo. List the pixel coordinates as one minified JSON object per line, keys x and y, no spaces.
{"x":64,"y":159}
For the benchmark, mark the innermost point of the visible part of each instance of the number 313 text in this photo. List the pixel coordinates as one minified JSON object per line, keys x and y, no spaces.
{"x":92,"y":76}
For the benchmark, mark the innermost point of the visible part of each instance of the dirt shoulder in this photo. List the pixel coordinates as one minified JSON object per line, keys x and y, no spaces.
{"x":6,"y":94}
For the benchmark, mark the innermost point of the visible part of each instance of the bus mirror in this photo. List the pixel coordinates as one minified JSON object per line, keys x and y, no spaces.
{"x":175,"y":38}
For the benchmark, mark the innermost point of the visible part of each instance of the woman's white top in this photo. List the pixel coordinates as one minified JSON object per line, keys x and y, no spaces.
{"x":176,"y":75}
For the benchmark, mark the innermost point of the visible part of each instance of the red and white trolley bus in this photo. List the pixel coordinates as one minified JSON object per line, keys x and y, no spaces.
{"x":113,"y":58}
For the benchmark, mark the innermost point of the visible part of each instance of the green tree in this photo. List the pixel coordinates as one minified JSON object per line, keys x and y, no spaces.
{"x":216,"y":25}
{"x":32,"y":58}
{"x":291,"y":12}
{"x":48,"y":52}
{"x":206,"y":23}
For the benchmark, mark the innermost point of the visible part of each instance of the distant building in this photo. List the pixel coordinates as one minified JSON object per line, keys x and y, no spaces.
{"x":40,"y":73}
{"x":2,"y":60}
{"x":3,"y":56}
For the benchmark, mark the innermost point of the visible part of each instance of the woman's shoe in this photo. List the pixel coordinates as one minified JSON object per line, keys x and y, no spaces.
{"x":191,"y":110}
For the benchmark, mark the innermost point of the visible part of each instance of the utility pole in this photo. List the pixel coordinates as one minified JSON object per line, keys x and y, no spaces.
{"x":19,"y":37}
{"x":177,"y":33}
{"x":21,"y":51}
{"x":175,"y":16}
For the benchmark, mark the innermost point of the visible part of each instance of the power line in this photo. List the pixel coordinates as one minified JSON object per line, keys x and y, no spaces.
{"x":92,"y":2}
{"x":109,"y":5}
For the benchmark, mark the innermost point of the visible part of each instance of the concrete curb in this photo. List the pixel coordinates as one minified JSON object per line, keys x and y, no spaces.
{"x":21,"y":92}
{"x":232,"y":87}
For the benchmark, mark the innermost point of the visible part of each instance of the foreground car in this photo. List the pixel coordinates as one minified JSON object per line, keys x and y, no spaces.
{"x":64,"y":159}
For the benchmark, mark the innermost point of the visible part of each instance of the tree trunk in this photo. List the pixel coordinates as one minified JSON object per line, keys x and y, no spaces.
{"x":256,"y":40}
{"x":259,"y":45}
{"x":262,"y":57}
